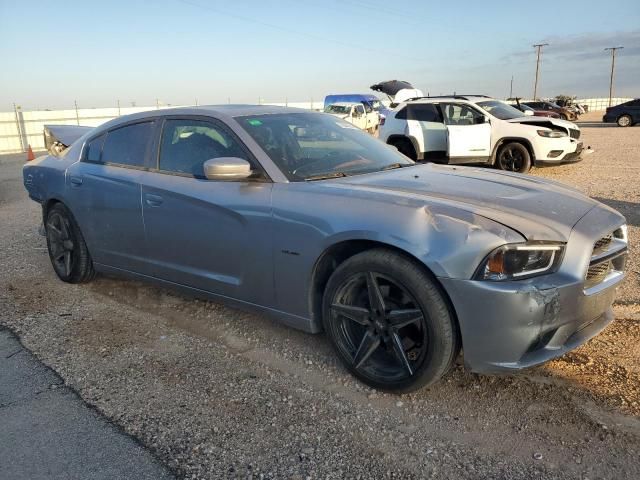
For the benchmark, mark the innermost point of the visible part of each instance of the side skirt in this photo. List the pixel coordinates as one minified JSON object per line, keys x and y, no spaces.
{"x":294,"y":321}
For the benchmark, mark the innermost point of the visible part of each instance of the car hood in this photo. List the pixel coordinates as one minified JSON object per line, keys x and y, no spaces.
{"x":537,"y":209}
{"x":537,"y":121}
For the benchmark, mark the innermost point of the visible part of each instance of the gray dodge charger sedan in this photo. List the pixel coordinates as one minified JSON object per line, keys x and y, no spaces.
{"x":304,"y":217}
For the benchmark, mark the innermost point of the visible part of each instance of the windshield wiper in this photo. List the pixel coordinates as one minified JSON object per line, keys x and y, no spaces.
{"x":398,"y":165}
{"x":325,"y":176}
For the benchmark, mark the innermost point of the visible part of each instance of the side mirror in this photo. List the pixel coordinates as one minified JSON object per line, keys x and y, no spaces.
{"x":226,"y":168}
{"x":528,"y":113}
{"x":481,"y":120}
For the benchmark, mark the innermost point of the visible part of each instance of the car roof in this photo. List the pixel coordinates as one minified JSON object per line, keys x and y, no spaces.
{"x":450,"y":98}
{"x":220,"y":111}
{"x":344,"y":104}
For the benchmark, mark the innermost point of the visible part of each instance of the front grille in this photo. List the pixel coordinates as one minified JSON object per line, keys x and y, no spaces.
{"x":603,"y":244}
{"x":574,"y":133}
{"x":597,"y":273}
{"x":607,"y":258}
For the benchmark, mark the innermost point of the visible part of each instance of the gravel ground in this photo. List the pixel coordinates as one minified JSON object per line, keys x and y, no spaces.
{"x":219,"y":393}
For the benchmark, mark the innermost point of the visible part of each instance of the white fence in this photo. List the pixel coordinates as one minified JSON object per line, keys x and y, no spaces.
{"x":19,"y":129}
{"x":598,"y":104}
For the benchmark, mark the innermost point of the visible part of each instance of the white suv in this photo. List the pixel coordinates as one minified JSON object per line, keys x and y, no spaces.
{"x":463,"y":129}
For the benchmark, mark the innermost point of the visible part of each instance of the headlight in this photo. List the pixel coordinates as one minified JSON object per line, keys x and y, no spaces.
{"x":552,"y":133}
{"x":517,"y":261}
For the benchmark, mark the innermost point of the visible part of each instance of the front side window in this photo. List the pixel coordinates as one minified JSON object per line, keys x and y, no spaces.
{"x":186,"y":144}
{"x":359,"y":110}
{"x":461,"y":114}
{"x":307,"y":146}
{"x":127,"y":145}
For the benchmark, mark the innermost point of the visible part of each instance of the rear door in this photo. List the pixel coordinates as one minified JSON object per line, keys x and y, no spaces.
{"x":426,"y":125}
{"x":105,"y":192}
{"x":210,"y":235}
{"x":469,"y":133}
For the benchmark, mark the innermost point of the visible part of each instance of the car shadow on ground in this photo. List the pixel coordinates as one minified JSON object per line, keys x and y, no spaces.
{"x":631,"y":210}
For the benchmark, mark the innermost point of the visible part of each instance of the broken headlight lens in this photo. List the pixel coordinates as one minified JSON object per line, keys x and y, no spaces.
{"x":517,"y":261}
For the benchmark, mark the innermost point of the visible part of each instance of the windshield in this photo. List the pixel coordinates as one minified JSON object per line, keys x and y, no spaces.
{"x":305,"y":145}
{"x":500,"y":109}
{"x":341,"y":109}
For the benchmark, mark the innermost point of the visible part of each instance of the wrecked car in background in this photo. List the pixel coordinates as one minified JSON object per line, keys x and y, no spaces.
{"x":301,"y":216}
{"x":476,"y":129}
{"x":356,"y":114}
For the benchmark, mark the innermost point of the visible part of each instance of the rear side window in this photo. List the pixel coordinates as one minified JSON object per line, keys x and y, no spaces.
{"x":94,"y":149}
{"x":421,"y":112}
{"x":127,"y":145}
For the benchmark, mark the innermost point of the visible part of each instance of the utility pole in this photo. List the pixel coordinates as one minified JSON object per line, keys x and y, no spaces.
{"x":538,"y":47}
{"x":511,"y":88}
{"x":613,"y":64}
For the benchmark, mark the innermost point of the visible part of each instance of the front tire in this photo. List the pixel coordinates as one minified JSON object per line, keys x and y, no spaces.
{"x":388,"y":322}
{"x":514,"y":157}
{"x":624,"y":121}
{"x":67,"y":249}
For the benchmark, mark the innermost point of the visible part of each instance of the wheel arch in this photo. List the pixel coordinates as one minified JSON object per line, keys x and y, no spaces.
{"x":503,"y":141}
{"x":341,"y":251}
{"x":391,"y":139}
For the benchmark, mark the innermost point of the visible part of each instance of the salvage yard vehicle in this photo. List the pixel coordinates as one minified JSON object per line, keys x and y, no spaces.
{"x":564,"y":112}
{"x":476,"y":129}
{"x":301,"y":216}
{"x":625,"y":115}
{"x":527,"y":110}
{"x":355,"y":114}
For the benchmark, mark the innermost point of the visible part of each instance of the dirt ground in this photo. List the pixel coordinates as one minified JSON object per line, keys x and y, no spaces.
{"x":216,"y":392}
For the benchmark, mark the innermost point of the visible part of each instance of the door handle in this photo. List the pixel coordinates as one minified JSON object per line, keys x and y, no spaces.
{"x":75,"y":181}
{"x":153,"y":200}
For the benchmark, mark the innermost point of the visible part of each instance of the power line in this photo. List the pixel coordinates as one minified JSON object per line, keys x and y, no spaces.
{"x":538,"y":47}
{"x":293,"y":31}
{"x":613,"y":63}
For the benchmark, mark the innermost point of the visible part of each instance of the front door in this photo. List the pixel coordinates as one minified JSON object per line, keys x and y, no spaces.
{"x":211,"y":235}
{"x":105,"y":192}
{"x":469,"y":134}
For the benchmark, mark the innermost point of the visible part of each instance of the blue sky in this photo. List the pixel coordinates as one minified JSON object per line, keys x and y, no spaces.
{"x":55,"y":52}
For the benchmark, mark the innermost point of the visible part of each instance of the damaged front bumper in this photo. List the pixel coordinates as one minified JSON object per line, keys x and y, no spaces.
{"x":517,"y":324}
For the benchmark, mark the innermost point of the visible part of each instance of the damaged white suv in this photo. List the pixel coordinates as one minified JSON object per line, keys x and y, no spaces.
{"x":464,"y":129}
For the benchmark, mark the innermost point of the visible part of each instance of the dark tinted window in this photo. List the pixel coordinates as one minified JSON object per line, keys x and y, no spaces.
{"x":423,"y":113}
{"x":94,"y":149}
{"x":187,"y":144}
{"x":127,"y":145}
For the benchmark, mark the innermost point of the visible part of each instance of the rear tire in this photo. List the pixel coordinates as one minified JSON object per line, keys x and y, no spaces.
{"x":67,"y":249}
{"x":514,"y":157}
{"x":624,"y":121}
{"x":405,"y":147}
{"x":386,"y":302}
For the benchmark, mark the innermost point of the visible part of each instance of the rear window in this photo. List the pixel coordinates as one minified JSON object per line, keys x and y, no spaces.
{"x":94,"y":149}
{"x":127,"y":145}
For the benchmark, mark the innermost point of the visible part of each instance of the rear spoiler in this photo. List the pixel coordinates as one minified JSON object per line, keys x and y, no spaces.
{"x":57,"y":138}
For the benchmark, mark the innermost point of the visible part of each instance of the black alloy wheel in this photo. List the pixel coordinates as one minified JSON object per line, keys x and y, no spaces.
{"x":388,"y":322}
{"x":67,"y":250}
{"x":514,"y":157}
